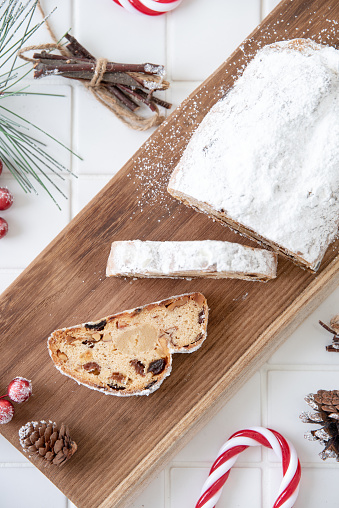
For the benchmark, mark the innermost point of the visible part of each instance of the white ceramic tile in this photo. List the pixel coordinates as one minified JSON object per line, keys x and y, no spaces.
{"x":203,"y":34}
{"x":318,"y":487}
{"x":107,"y":30}
{"x":286,"y":392}
{"x":33,"y":222}
{"x":180,"y":90}
{"x":101,"y":139}
{"x":6,"y":278}
{"x":307,"y":345}
{"x":28,"y":487}
{"x":242,"y":411}
{"x":186,"y":485}
{"x":49,"y":113}
{"x":269,"y":5}
{"x":153,"y":495}
{"x":84,"y":189}
{"x":9,"y":454}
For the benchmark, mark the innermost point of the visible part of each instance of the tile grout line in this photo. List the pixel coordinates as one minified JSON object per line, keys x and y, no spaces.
{"x":73,"y":113}
{"x":20,"y":465}
{"x":167,"y":486}
{"x":264,"y":422}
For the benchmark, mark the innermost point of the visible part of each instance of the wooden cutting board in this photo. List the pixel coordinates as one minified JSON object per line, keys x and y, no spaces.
{"x":122,"y":443}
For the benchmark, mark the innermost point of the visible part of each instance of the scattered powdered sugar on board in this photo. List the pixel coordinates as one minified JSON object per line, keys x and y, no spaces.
{"x":153,"y":167}
{"x":267,"y":154}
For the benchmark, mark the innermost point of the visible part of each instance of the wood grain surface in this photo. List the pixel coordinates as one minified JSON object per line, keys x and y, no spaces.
{"x":123,"y":442}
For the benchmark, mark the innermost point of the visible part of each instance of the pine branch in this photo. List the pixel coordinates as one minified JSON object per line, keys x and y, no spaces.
{"x":23,"y":154}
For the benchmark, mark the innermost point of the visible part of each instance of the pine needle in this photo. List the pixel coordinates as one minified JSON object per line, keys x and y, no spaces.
{"x":23,"y":154}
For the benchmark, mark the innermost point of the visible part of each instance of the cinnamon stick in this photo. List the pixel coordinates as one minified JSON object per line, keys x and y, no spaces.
{"x":76,"y":49}
{"x":119,"y":94}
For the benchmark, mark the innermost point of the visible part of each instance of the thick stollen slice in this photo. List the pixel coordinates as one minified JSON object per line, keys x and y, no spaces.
{"x":265,"y":158}
{"x":201,"y":258}
{"x":130,"y":353}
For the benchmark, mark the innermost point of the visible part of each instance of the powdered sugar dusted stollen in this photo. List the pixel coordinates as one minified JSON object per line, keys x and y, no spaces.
{"x":130,"y":353}
{"x":265,"y":159}
{"x":206,"y":258}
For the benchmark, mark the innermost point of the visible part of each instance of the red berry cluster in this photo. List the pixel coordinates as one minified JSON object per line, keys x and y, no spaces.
{"x":6,"y":200}
{"x":19,"y":390}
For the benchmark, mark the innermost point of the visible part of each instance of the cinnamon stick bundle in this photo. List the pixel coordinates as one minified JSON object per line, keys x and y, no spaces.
{"x":121,"y":87}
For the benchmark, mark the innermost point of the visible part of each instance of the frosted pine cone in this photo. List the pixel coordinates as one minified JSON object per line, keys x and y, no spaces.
{"x":326,"y":406}
{"x":333,"y":328}
{"x":47,"y":441}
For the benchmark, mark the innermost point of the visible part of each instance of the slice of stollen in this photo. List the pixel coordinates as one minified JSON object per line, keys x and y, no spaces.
{"x":130,"y":353}
{"x":205,"y":258}
{"x":265,"y":158}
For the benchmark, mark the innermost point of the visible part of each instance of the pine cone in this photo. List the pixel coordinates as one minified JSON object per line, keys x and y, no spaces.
{"x":47,"y":441}
{"x":333,"y":328}
{"x":326,"y":405}
{"x":335,"y":324}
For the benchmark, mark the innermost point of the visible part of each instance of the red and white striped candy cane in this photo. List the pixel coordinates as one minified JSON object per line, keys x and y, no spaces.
{"x":228,"y":454}
{"x":149,"y":7}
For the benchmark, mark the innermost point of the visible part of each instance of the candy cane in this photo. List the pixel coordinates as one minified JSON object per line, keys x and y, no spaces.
{"x":228,"y":454}
{"x":149,"y":7}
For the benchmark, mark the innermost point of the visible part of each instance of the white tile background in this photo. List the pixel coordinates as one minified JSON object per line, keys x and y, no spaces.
{"x":191,"y":42}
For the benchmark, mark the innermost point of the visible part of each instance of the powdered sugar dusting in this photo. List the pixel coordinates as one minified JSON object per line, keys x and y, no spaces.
{"x":180,"y":259}
{"x":267,"y":153}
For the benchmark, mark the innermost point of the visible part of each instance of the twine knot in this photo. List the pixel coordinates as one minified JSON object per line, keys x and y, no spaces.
{"x":100,"y":69}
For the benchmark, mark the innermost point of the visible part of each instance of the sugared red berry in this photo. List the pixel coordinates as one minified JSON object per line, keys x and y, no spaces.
{"x":19,"y":390}
{"x":6,"y":198}
{"x":3,"y":227}
{"x":6,"y":411}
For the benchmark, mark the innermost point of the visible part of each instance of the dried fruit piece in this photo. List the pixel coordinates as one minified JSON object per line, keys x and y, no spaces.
{"x":116,"y":387}
{"x":62,"y":356}
{"x":100,"y":325}
{"x":201,"y":317}
{"x":169,"y":331}
{"x":157,"y":366}
{"x":152,"y":383}
{"x":177,"y":303}
{"x":89,"y":343}
{"x":122,"y":324}
{"x":118,"y":377}
{"x":139,"y":367}
{"x":92,"y":368}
